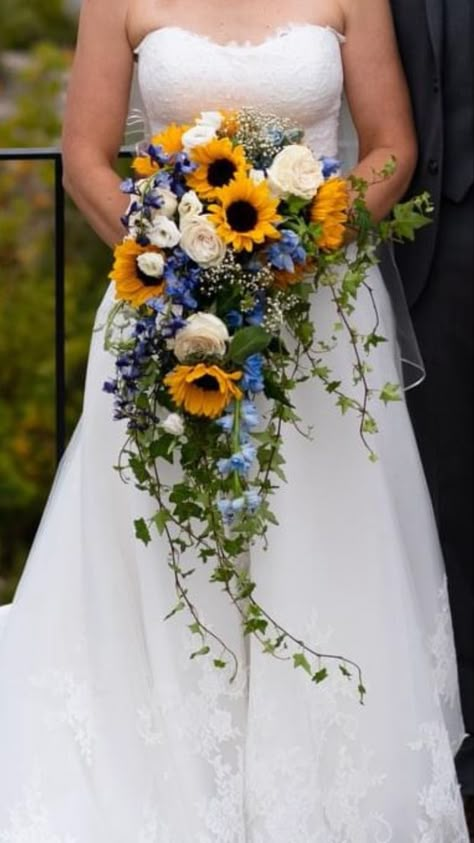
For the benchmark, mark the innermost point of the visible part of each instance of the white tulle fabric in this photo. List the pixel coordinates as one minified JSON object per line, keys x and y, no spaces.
{"x":108,"y":733}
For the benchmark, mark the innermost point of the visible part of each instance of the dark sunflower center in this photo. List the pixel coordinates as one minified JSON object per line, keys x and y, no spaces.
{"x":221,"y":172}
{"x":208,"y":383}
{"x":147,"y":280}
{"x":242,"y":216}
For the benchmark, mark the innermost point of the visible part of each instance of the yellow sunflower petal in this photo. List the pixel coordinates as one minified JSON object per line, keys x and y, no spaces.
{"x":130,"y":285}
{"x":330,"y":209}
{"x":218,"y":163}
{"x":171,"y":141}
{"x":245,"y":213}
{"x":203,"y":390}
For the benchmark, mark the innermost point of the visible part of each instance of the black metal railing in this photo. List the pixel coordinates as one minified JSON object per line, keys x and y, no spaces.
{"x":53,"y":154}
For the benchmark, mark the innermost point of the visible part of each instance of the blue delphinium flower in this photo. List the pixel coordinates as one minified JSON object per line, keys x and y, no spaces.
{"x":127,"y":186}
{"x":226,"y":422}
{"x":253,"y":500}
{"x":183,"y":164}
{"x":172,"y":326}
{"x":287,"y":251}
{"x":157,"y":303}
{"x":240,"y":461}
{"x":229,"y":508}
{"x":252,"y":380}
{"x":157,"y":153}
{"x":255,"y":316}
{"x":224,"y":506}
{"x":234,"y":319}
{"x":331,"y":166}
{"x":249,"y":414}
{"x":163,"y":179}
{"x":110,"y":386}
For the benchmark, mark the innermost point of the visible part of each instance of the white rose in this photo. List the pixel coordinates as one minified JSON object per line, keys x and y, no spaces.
{"x":167,"y":198}
{"x":203,"y":334}
{"x":210,"y":118}
{"x":189,"y":207}
{"x":151,"y":263}
{"x":257,"y":176}
{"x":173,"y":424}
{"x":169,"y":202}
{"x":198,"y":135}
{"x":295,"y":171}
{"x":201,"y":242}
{"x":164,"y":233}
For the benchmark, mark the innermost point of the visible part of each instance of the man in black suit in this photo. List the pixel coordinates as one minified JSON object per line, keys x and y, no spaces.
{"x":436,"y":44}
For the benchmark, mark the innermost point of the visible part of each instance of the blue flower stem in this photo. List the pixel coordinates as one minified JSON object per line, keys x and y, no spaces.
{"x":236,"y":484}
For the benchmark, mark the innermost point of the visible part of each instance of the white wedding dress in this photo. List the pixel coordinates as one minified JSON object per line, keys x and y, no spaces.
{"x":108,"y":732}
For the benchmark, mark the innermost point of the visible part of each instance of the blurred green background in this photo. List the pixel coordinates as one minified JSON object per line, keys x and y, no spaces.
{"x":36,"y":48}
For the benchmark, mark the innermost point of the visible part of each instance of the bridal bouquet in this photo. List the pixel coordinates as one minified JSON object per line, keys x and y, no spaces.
{"x":232,"y":225}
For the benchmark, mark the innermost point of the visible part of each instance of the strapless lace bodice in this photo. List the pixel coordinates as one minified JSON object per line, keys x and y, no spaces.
{"x":297,"y":72}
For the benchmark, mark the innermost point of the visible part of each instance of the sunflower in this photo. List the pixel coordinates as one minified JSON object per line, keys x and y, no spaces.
{"x":171,"y":141}
{"x":218,"y":163}
{"x":230,"y":123}
{"x":330,"y":208}
{"x":284,"y":279}
{"x":131,"y":283}
{"x":203,"y":390}
{"x":246,"y":213}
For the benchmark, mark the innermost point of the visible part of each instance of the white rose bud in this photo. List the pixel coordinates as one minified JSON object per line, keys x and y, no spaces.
{"x":198,"y":135}
{"x":164,"y":233}
{"x":151,"y":263}
{"x":169,"y":202}
{"x":257,"y":176}
{"x":200,"y":241}
{"x":296,"y":172}
{"x":210,"y":118}
{"x":173,"y":424}
{"x":189,"y":207}
{"x":204,"y":334}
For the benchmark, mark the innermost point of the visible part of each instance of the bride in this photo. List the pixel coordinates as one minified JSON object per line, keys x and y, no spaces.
{"x":108,"y":732}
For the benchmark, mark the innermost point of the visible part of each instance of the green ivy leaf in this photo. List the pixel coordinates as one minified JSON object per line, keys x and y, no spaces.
{"x":390,"y":392}
{"x":248,"y":341}
{"x":203,"y":651}
{"x":320,"y":675}
{"x":300,"y":660}
{"x":162,"y":446}
{"x":160,"y":519}
{"x":138,"y":469}
{"x":255,"y":625}
{"x":141,"y":531}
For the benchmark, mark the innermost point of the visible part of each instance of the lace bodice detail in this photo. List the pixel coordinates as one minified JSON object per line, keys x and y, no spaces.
{"x":297,"y":72}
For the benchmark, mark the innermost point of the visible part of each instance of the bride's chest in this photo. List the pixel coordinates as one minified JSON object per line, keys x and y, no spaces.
{"x":297,"y":70}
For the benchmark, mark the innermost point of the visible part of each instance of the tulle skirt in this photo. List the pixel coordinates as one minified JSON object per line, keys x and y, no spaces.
{"x":109,"y":733}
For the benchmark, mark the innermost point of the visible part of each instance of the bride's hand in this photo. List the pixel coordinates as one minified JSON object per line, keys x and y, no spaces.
{"x":96,"y":111}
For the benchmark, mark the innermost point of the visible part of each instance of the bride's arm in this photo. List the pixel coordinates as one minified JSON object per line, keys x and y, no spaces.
{"x":378,"y":99}
{"x":96,"y":111}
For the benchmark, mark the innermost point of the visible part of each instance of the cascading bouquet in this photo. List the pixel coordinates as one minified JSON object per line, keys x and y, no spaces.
{"x":232,"y":225}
